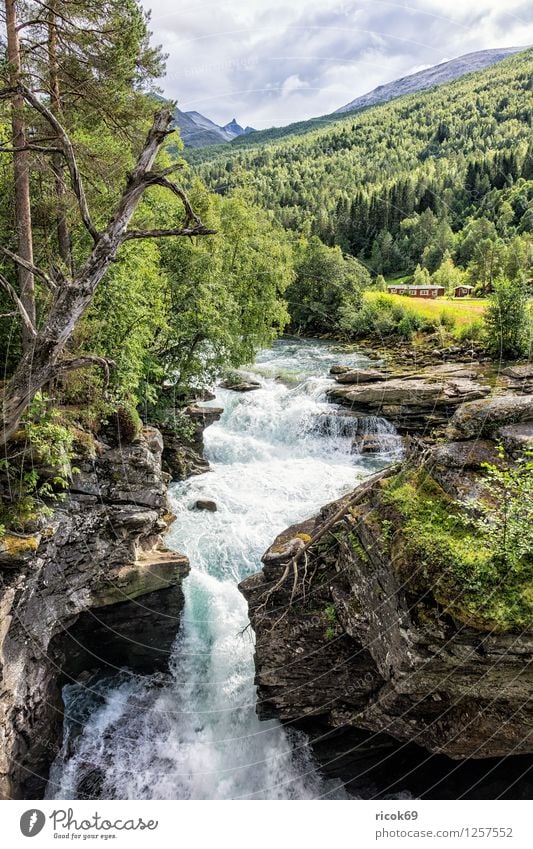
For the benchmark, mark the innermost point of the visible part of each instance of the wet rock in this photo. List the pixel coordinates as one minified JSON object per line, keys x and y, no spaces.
{"x":375,"y":443}
{"x":411,"y":405}
{"x":241,"y":385}
{"x":101,"y":560}
{"x":206,"y":504}
{"x":338,"y":369}
{"x":484,"y":417}
{"x":183,"y":457}
{"x":360,"y":375}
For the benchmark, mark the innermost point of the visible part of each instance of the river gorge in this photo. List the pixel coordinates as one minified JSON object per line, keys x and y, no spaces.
{"x":167,"y":692}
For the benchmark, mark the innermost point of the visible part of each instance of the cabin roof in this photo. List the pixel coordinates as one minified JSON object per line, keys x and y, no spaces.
{"x":421,"y":286}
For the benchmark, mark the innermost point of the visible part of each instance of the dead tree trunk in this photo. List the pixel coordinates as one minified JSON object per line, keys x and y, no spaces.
{"x":41,"y":362}
{"x":21,"y":172}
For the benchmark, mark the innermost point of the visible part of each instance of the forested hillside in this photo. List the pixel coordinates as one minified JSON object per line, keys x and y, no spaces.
{"x":408,"y":181}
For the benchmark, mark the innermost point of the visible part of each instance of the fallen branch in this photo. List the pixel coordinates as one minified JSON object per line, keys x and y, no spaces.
{"x":357,"y":496}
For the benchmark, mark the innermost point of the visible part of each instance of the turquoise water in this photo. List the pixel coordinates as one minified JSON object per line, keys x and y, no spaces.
{"x":194,"y":734}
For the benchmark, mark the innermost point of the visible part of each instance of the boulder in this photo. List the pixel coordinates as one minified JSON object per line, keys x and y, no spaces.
{"x":520,"y":377}
{"x":360,"y":375}
{"x":206,"y":504}
{"x":339,"y":369}
{"x":241,"y":385}
{"x":411,"y":405}
{"x":485,"y":416}
{"x":516,"y":438}
{"x":375,"y":443}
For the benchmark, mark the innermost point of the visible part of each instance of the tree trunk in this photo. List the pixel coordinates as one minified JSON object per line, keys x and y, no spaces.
{"x":39,"y":363}
{"x":21,"y":172}
{"x":58,"y":165}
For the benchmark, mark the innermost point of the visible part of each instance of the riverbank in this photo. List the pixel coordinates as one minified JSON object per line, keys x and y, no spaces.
{"x":397,"y":619}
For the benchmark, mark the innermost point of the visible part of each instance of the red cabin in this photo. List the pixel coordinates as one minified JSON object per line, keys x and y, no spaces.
{"x":417,"y":291}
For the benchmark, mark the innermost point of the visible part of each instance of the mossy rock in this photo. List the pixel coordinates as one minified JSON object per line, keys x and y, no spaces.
{"x":17,"y":548}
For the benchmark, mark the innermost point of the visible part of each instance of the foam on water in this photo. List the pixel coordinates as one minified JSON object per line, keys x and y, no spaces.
{"x":194,"y":734}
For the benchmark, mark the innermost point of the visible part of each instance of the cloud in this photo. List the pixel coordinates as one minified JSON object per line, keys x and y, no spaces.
{"x":292,"y":84}
{"x":270,"y":63}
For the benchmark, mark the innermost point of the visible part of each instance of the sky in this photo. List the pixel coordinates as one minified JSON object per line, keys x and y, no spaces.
{"x":268,"y":63}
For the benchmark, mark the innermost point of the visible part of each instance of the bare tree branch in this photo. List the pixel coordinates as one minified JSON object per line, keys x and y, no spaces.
{"x":161,"y":180}
{"x":36,"y":147}
{"x":86,"y":361}
{"x":29,"y":266}
{"x":173,"y":231}
{"x":41,"y":362}
{"x":68,"y":150}
{"x":28,"y":324}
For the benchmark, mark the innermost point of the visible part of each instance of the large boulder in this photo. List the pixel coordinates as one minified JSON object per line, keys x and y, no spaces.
{"x":411,"y":405}
{"x":484,"y":417}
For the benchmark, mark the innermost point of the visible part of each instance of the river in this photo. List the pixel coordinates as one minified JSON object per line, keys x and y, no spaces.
{"x":276,"y":456}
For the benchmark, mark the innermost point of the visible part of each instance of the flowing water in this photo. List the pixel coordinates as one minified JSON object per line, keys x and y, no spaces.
{"x":277,"y":455}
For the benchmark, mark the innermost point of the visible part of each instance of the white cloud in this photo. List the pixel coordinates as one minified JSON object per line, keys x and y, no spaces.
{"x":292,"y":84}
{"x":270,"y":63}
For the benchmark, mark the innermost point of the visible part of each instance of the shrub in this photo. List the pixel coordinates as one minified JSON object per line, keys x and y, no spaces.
{"x":507,"y":322}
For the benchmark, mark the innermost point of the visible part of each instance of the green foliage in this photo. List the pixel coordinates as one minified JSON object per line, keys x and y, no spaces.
{"x":389,"y":187}
{"x":457,"y":550}
{"x":507,"y":321}
{"x":330,"y":615}
{"x":326,"y":283}
{"x":225,"y":292}
{"x":505,"y":517}
{"x":381,"y":318}
{"x":128,"y":423}
{"x":447,"y":274}
{"x":38,"y":468}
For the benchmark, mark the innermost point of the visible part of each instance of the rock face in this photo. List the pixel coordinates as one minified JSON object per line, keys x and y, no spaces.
{"x":360,"y":636}
{"x":412,"y":405}
{"x":94,"y":588}
{"x":183,"y":456}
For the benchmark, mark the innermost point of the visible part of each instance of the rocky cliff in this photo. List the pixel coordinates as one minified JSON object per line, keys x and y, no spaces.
{"x":385,"y":613}
{"x":93,"y":589}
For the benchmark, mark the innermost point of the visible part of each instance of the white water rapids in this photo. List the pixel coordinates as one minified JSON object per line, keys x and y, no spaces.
{"x":277,"y":455}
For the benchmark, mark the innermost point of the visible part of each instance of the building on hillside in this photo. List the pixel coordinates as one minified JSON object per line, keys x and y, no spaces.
{"x":417,"y":291}
{"x":463,"y":291}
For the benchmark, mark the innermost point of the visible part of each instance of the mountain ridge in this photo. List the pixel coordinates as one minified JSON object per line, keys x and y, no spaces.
{"x":430,"y":77}
{"x":198,"y":131}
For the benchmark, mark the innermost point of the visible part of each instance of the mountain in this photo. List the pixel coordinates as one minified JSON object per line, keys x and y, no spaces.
{"x":389,"y":181}
{"x":430,"y":77}
{"x":235,"y":129}
{"x":198,"y":131}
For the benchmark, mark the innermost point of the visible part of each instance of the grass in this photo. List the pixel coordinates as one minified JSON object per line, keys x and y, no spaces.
{"x":436,"y":547}
{"x":461,"y":311}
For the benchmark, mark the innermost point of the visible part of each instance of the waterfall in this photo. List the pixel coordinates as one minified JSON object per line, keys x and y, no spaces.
{"x":194,"y":733}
